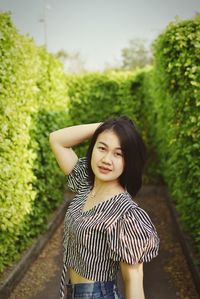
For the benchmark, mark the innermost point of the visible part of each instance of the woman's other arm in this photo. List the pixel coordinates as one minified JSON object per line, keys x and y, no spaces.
{"x":133,"y":280}
{"x":62,"y":141}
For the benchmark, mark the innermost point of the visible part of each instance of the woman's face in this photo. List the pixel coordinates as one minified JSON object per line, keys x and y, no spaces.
{"x":107,"y":160}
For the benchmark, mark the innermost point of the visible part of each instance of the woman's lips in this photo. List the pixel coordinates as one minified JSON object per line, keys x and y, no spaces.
{"x":103,"y":169}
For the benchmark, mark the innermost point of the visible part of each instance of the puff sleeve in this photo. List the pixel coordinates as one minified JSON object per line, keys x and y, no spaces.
{"x":133,"y":238}
{"x":78,"y":178}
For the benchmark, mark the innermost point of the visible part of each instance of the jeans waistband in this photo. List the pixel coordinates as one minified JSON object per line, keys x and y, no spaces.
{"x":101,"y":286}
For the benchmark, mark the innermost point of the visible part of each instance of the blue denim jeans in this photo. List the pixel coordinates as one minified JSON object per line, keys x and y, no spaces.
{"x":94,"y":290}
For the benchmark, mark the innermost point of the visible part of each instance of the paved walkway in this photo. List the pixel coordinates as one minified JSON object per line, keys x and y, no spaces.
{"x":165,"y":277}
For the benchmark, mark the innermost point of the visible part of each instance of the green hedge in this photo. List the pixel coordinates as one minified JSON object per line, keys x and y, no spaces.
{"x":33,"y":97}
{"x":174,"y":94}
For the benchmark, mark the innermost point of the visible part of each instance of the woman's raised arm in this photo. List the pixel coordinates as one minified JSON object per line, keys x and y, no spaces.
{"x":62,"y":141}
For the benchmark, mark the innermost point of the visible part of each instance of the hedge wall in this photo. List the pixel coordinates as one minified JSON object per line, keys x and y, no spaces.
{"x":32,"y":95}
{"x":173,"y":88}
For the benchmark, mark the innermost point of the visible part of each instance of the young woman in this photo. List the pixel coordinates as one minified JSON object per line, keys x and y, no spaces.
{"x":105,"y":230}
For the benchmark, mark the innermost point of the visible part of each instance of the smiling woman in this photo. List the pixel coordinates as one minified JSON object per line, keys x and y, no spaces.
{"x":105,"y":229}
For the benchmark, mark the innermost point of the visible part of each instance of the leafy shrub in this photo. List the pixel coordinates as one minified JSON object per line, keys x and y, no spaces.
{"x":33,"y":93}
{"x":175,"y":96}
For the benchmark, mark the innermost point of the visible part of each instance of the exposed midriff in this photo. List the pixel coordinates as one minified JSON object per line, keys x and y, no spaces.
{"x":77,"y":278}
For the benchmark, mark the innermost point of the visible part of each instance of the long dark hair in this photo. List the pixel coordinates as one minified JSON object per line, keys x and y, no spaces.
{"x":133,"y":148}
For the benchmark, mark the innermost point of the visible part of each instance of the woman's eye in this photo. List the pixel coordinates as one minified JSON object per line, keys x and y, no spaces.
{"x":101,"y":148}
{"x":119,"y":154}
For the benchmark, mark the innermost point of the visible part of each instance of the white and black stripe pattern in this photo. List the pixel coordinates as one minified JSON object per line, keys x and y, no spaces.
{"x":115,"y":230}
{"x":63,"y":282}
{"x":77,"y":180}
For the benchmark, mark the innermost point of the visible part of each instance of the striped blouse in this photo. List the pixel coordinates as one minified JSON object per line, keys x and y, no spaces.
{"x":95,"y":241}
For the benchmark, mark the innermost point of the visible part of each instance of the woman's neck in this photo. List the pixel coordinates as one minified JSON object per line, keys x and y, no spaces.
{"x":107,"y":187}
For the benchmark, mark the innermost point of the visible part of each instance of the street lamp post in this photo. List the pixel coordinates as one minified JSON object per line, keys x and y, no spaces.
{"x":44,"y":21}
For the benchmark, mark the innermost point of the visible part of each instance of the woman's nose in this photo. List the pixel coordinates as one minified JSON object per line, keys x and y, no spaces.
{"x":107,"y":158}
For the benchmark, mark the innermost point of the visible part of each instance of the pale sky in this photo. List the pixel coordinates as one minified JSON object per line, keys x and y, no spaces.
{"x":98,"y":29}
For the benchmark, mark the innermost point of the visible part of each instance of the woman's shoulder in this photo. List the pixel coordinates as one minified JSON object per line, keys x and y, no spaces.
{"x":126,"y":202}
{"x":134,"y":213}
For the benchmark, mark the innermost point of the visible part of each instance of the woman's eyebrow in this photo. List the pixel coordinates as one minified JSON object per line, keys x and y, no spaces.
{"x":107,"y":145}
